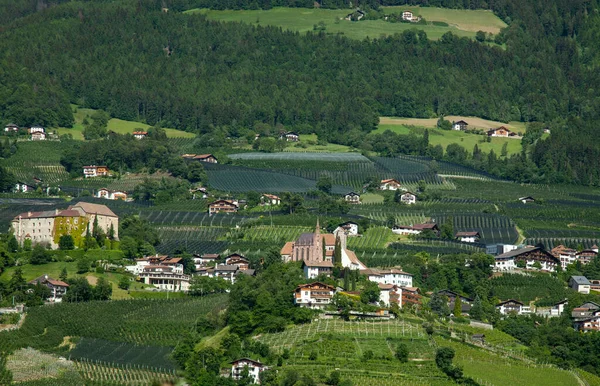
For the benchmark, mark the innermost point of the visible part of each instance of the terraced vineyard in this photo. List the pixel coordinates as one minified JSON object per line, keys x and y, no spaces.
{"x":119,"y":353}
{"x":298,"y":156}
{"x":38,"y":159}
{"x":129,"y":375}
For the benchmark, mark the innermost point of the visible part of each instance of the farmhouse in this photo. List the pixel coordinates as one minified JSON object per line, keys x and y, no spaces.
{"x":290,"y":136}
{"x":350,"y":228}
{"x":140,"y":134}
{"x":254,"y":369}
{"x":223,"y":206}
{"x":95,"y":171}
{"x":314,"y":295}
{"x":314,"y":269}
{"x":411,"y":295}
{"x":11,"y":128}
{"x":269,"y":199}
{"x":528,"y":257}
{"x":565,"y":255}
{"x":58,"y":288}
{"x":415,"y":229}
{"x":48,"y":226}
{"x":390,"y":184}
{"x":23,"y":187}
{"x":36,"y":129}
{"x":352,"y":198}
{"x":512,"y":306}
{"x":408,"y":198}
{"x":408,"y":16}
{"x":199,"y":192}
{"x":111,"y":194}
{"x":211,"y":159}
{"x":460,"y":125}
{"x":393,"y":276}
{"x":355,"y":16}
{"x":501,"y":132}
{"x":526,"y":199}
{"x":580,"y":284}
{"x":227,"y":272}
{"x":390,"y":293}
{"x":467,"y":237}
{"x":38,"y":136}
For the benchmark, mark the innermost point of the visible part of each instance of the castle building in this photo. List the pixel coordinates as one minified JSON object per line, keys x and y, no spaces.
{"x":48,"y":226}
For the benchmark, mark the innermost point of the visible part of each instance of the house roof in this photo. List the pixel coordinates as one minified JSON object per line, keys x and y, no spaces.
{"x":389,"y":181}
{"x":248,"y":272}
{"x":526,"y":198}
{"x":580,"y":280}
{"x":45,"y":279}
{"x":386,"y":287}
{"x":467,"y":234}
{"x":226,"y":267}
{"x":203,"y":156}
{"x":98,"y":209}
{"x":517,"y":252}
{"x":425,"y":226}
{"x":455,"y":294}
{"x":318,"y":264}
{"x":246,"y":360}
{"x":314,"y":284}
{"x":352,"y":223}
{"x":352,"y":194}
{"x":509,"y":301}
{"x":140,"y":133}
{"x":329,"y":238}
{"x":95,"y":167}
{"x":407,"y":193}
{"x":210,"y":256}
{"x":352,"y":257}
{"x":229,"y":202}
{"x":287,"y":248}
{"x":461,"y":122}
{"x":271,"y":196}
{"x":305,"y":239}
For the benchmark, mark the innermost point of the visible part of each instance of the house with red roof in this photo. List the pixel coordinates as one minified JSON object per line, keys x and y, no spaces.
{"x":58,"y":288}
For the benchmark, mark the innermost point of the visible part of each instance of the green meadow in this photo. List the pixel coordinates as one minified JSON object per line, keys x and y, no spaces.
{"x":461,"y":22}
{"x":117,"y":125}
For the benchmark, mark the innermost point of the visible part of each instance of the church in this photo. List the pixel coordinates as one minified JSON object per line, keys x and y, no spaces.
{"x":317,"y":247}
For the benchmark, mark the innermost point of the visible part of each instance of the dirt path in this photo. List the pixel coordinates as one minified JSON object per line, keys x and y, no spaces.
{"x":92,"y":279}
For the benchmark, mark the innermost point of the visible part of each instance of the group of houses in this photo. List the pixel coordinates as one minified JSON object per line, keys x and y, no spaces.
{"x":502,"y":131}
{"x":569,"y":255}
{"x":35,"y":132}
{"x":386,"y":184}
{"x":233,"y":205}
{"x":235,"y":265}
{"x":47,"y":227}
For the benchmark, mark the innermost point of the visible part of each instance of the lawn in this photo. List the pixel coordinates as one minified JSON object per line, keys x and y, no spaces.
{"x":463,"y":19}
{"x":304,"y":19}
{"x":309,"y":143}
{"x":446,"y":137}
{"x":117,"y":125}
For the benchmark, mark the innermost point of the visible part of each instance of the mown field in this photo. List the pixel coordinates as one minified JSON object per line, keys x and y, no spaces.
{"x":117,"y":125}
{"x":464,"y":22}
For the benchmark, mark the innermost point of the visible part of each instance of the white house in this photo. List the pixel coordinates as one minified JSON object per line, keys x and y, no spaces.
{"x":468,"y":237}
{"x":393,"y":276}
{"x":352,"y":198}
{"x":58,"y":288}
{"x":38,"y":136}
{"x":390,"y":184}
{"x":111,"y":194}
{"x":408,"y":15}
{"x":512,"y":306}
{"x":95,"y":171}
{"x":313,"y":295}
{"x":140,"y":134}
{"x":565,"y":255}
{"x":254,"y":369}
{"x":408,"y":198}
{"x":290,"y":136}
{"x":390,"y":293}
{"x":580,"y":284}
{"x":526,"y":199}
{"x":270,"y":199}
{"x":350,"y":228}
{"x":22,"y":187}
{"x":11,"y":127}
{"x":204,"y":260}
{"x":165,"y":277}
{"x":36,"y":129}
{"x":529,"y":256}
{"x":313,"y":269}
{"x":460,"y":125}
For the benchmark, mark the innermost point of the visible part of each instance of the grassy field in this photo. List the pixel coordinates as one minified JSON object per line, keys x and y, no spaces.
{"x":464,"y":22}
{"x":463,"y":19}
{"x":443,"y":137}
{"x":117,"y":125}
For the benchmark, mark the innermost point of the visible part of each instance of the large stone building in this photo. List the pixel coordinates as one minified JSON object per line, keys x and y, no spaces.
{"x":317,"y":247}
{"x":48,"y":226}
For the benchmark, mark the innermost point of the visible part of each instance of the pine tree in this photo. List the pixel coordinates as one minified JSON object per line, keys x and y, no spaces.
{"x":346,"y":278}
{"x":457,"y":307}
{"x":63,"y":274}
{"x":337,"y":252}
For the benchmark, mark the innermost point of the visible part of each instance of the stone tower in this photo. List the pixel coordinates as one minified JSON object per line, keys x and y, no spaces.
{"x":317,"y":247}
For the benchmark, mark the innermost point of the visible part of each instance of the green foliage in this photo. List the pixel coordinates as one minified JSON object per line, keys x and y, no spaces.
{"x":439,"y":305}
{"x":124,"y":283}
{"x":39,"y":255}
{"x":66,"y":242}
{"x":83,"y":265}
{"x":402,"y":352}
{"x":370,"y":293}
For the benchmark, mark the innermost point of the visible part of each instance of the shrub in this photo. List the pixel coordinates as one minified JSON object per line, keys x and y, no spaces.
{"x":402,"y":353}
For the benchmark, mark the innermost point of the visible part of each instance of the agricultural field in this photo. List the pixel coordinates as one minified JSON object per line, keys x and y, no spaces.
{"x":446,"y":137}
{"x":38,"y":160}
{"x":303,"y":20}
{"x":117,"y":125}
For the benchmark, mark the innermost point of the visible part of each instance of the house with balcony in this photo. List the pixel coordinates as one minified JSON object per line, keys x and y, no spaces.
{"x":314,"y":295}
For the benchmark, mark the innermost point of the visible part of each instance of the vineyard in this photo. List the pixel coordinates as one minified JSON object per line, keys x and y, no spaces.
{"x":527,"y":288}
{"x":191,"y":239}
{"x":38,"y":159}
{"x":298,"y":156}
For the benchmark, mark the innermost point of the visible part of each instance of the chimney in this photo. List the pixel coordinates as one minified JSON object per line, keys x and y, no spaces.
{"x":56,"y":211}
{"x":28,"y":214}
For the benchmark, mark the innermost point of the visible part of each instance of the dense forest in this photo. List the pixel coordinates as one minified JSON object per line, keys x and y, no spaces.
{"x":211,"y":78}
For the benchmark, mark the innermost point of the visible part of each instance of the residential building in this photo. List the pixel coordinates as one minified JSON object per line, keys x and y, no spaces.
{"x":416,"y":229}
{"x":238,"y":260}
{"x":408,"y":198}
{"x":11,"y":128}
{"x":390,"y":184}
{"x":594,"y":284}
{"x":223,"y":206}
{"x":199,"y":192}
{"x":314,"y":269}
{"x":23,"y":187}
{"x":512,"y":306}
{"x":580,"y":284}
{"x":468,"y":237}
{"x":290,"y":136}
{"x":269,"y":199}
{"x":586,"y":317}
{"x":460,"y":125}
{"x":165,"y":277}
{"x":352,"y":198}
{"x":287,"y":251}
{"x":393,"y":276}
{"x":389,"y":294}
{"x":91,"y":171}
{"x":526,"y":199}
{"x":465,"y":302}
{"x":48,"y":226}
{"x":140,"y":134}
{"x":38,"y":136}
{"x":36,"y":129}
{"x":211,"y":159}
{"x":498,"y":249}
{"x":565,"y":255}
{"x":529,"y":257}
{"x":586,"y":256}
{"x":313,"y":295}
{"x":501,"y":132}
{"x":254,"y":369}
{"x":205,"y":259}
{"x":58,"y":288}
{"x":227,"y":272}
{"x":350,"y":228}
{"x":111,"y":194}
{"x":408,"y":16}
{"x":411,"y":295}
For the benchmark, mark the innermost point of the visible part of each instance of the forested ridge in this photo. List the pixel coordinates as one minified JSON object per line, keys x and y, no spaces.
{"x":184,"y":71}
